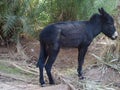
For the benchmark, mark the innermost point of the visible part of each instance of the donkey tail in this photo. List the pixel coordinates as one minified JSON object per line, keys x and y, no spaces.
{"x":42,"y":55}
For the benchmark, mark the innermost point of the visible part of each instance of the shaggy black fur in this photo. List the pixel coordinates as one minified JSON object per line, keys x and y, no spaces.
{"x":75,"y":34}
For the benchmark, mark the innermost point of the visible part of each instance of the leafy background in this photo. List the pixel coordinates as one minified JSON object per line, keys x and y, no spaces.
{"x":29,"y":16}
{"x":26,"y":18}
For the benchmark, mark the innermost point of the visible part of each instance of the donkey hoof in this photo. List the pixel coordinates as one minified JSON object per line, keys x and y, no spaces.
{"x":43,"y":85}
{"x":52,"y":83}
{"x":81,"y":77}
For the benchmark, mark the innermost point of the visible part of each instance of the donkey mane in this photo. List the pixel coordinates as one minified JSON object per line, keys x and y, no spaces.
{"x":95,"y":18}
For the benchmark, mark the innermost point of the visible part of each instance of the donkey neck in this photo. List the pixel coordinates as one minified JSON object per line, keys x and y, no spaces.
{"x":96,"y":29}
{"x":95,"y":24}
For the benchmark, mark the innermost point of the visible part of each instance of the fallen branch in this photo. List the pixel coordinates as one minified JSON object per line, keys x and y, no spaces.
{"x":32,"y":69}
{"x":12,"y":77}
{"x":101,"y":60}
{"x":64,"y":81}
{"x":70,"y":85}
{"x":24,"y":69}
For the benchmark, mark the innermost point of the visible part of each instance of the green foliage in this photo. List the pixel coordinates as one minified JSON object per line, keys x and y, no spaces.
{"x":29,"y":16}
{"x":64,"y":10}
{"x":9,"y":24}
{"x":17,"y":17}
{"x":88,"y":7}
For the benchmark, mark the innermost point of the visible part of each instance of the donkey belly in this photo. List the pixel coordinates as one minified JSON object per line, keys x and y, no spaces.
{"x":70,"y":41}
{"x":70,"y":44}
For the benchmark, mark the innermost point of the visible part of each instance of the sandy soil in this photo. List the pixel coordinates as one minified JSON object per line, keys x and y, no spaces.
{"x":96,"y":73}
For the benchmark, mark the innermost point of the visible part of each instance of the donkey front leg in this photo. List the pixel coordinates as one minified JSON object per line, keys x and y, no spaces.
{"x":81,"y":54}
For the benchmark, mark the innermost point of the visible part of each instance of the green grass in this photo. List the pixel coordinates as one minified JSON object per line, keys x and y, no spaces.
{"x":9,"y":69}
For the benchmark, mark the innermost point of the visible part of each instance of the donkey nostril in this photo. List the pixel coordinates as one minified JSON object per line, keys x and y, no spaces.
{"x":115,"y":37}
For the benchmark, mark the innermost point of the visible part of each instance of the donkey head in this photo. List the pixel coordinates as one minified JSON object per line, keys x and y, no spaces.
{"x":108,"y":27}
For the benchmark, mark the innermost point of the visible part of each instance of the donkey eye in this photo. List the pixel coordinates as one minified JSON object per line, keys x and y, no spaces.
{"x":110,"y":24}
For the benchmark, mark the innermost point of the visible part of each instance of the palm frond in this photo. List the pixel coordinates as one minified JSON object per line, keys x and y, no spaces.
{"x":9,"y":24}
{"x":27,"y":28}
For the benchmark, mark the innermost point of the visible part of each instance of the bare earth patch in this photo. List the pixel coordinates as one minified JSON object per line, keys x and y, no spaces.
{"x":21,"y":74}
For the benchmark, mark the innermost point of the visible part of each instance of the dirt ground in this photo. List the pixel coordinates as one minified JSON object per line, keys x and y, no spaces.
{"x":97,"y":75}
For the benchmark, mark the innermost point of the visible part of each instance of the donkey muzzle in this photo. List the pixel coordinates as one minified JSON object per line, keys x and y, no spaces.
{"x":115,"y":35}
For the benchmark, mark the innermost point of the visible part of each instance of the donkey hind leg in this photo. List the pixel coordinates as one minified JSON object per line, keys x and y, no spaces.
{"x":42,"y":59}
{"x":52,"y":56}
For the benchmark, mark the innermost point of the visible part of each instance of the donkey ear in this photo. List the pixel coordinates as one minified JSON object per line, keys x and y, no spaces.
{"x":99,"y":10}
{"x":102,"y":11}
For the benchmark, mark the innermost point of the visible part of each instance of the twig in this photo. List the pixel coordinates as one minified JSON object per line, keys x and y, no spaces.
{"x":13,"y":77}
{"x":70,"y":85}
{"x":32,"y":69}
{"x":15,"y":65}
{"x":64,"y":81}
{"x":101,"y":60}
{"x":24,"y":69}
